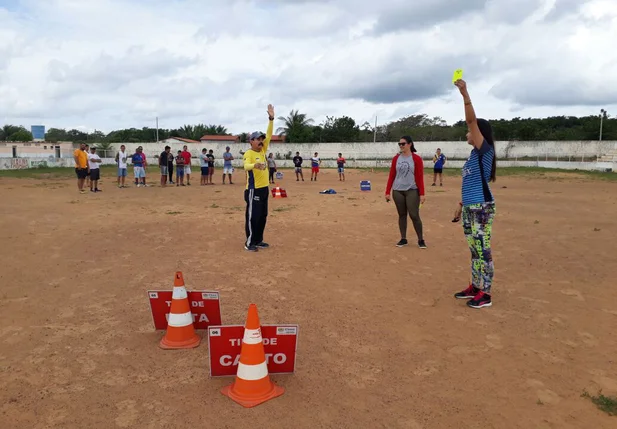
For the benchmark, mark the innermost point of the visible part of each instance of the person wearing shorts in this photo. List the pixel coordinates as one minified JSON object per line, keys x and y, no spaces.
{"x":440,"y":161}
{"x":203,"y":162}
{"x":187,"y":164}
{"x":210,"y":166}
{"x":139,"y":167}
{"x":340,"y":163}
{"x":94,"y":163}
{"x":163,"y":165}
{"x":121,"y":160}
{"x":179,"y":169}
{"x":87,"y":151}
{"x":228,"y":168}
{"x":298,"y":165}
{"x":315,"y":163}
{"x":81,"y":166}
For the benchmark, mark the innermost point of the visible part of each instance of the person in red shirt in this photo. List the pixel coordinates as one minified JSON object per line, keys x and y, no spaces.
{"x":186,"y":155}
{"x":340,"y":163}
{"x":406,"y":180}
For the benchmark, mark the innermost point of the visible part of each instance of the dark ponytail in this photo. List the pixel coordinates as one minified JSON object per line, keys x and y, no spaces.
{"x":487,"y":133}
{"x":410,"y":141}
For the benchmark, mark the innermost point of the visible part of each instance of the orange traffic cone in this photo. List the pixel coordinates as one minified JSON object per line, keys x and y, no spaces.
{"x":279,"y":192}
{"x":180,"y":330}
{"x":252,"y":385}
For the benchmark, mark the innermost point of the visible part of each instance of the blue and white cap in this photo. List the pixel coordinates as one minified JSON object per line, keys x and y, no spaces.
{"x":256,"y":135}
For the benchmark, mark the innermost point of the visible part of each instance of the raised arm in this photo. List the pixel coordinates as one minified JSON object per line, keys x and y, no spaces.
{"x":270,"y":127}
{"x":470,"y":115}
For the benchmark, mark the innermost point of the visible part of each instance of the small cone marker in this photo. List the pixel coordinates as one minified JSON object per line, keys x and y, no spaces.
{"x":252,"y":385}
{"x":180,"y":330}
{"x":279,"y":192}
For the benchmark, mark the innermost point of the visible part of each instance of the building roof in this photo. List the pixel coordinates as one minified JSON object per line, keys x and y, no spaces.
{"x":220,"y":138}
{"x":184,"y":140}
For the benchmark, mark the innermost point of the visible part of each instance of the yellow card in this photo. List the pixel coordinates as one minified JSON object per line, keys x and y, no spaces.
{"x":458,"y":74}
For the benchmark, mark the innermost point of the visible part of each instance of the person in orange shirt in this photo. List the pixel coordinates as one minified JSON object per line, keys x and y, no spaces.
{"x":81,"y":166}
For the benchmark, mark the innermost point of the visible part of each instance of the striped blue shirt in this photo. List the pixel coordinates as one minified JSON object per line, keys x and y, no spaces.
{"x":475,"y":190}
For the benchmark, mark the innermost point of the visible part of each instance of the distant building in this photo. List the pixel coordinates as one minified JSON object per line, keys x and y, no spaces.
{"x":38,"y":133}
{"x":36,"y":150}
{"x":178,"y":140}
{"x":220,"y":139}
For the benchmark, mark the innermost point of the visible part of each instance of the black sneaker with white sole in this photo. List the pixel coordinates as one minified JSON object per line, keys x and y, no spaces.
{"x":263,"y":245}
{"x":480,"y":300}
{"x":250,"y":248}
{"x":402,"y":243}
{"x":421,"y":244}
{"x":468,"y":293}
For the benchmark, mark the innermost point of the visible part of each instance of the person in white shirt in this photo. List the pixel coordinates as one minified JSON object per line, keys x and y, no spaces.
{"x":94,"y":162}
{"x":121,"y":160}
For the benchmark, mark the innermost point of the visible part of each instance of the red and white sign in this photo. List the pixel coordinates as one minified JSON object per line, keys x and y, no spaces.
{"x":205,"y":306}
{"x":225,"y":342}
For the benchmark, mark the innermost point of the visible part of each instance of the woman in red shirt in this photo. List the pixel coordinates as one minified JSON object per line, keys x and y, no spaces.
{"x":406,"y":181}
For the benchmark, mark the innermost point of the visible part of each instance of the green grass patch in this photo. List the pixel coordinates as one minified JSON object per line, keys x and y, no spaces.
{"x":214,"y":206}
{"x":608,"y":404}
{"x":173,"y":213}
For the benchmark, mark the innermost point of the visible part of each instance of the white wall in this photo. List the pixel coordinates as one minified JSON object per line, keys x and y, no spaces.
{"x":21,"y":163}
{"x":541,"y":153}
{"x":453,"y":150}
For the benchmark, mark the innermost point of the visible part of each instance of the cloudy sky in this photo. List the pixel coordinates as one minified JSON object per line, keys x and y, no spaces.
{"x":109,"y":64}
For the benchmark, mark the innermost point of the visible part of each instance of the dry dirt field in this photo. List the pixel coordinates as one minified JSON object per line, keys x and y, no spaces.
{"x":383,"y":344}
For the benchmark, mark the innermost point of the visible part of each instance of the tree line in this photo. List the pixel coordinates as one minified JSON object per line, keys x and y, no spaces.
{"x":299,"y":128}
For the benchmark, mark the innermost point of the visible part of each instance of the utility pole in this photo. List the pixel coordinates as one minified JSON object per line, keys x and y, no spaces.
{"x":602,"y":113}
{"x":157,"y":130}
{"x":375,"y":131}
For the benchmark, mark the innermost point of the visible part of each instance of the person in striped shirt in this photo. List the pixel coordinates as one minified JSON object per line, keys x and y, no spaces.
{"x":477,"y":207}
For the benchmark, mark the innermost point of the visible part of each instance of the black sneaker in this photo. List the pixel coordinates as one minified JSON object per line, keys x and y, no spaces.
{"x":480,"y":300}
{"x":402,"y":243}
{"x":468,"y":293}
{"x":250,"y":248}
{"x":421,"y":244}
{"x":263,"y":245}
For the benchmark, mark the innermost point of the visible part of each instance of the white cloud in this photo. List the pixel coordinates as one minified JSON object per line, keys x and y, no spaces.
{"x":110,"y":64}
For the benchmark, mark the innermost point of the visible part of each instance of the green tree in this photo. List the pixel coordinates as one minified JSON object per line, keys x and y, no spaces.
{"x":21,"y":135}
{"x":296,"y":127}
{"x":7,"y":130}
{"x":343,"y":129}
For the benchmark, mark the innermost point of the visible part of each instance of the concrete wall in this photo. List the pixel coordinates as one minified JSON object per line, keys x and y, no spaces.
{"x":21,"y":163}
{"x":585,"y":150}
{"x":549,"y":154}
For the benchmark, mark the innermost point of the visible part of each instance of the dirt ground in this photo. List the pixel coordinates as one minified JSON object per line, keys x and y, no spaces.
{"x":383,"y":344}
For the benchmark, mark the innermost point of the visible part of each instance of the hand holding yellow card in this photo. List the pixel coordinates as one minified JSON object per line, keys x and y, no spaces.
{"x":458,"y":74}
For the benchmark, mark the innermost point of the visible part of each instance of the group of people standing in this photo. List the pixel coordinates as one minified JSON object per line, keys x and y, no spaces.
{"x":477,"y":208}
{"x":87,"y":168}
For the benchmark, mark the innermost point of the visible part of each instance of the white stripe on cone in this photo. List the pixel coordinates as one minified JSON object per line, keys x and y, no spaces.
{"x":179,"y":292}
{"x":180,"y":320}
{"x":252,"y":372}
{"x":252,"y":336}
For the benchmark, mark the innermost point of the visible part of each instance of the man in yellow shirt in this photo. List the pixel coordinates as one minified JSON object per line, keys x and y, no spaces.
{"x":256,"y":193}
{"x":81,"y":166}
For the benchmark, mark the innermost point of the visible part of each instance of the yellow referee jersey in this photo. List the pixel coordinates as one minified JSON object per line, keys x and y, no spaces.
{"x":255,"y":178}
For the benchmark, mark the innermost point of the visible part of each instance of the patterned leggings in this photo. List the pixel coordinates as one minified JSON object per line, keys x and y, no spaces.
{"x":478,"y":225}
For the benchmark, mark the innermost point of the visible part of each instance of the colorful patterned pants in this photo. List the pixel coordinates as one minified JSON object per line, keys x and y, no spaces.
{"x":478,"y":225}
